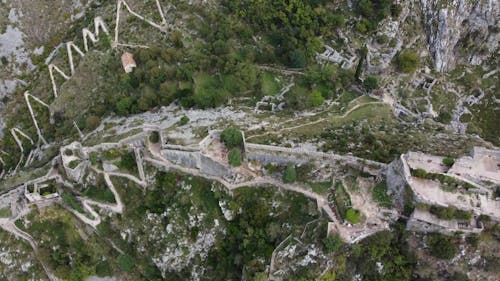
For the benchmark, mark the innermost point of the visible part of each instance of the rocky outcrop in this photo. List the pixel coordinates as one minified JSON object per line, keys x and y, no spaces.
{"x":452,"y":25}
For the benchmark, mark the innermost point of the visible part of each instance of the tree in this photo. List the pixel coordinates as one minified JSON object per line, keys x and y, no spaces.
{"x":333,"y":243}
{"x":407,"y":61}
{"x":126,"y":262}
{"x":290,"y":174}
{"x":316,"y":98}
{"x":232,"y":137}
{"x":154,"y":137}
{"x":124,"y":106}
{"x":441,"y":246}
{"x":297,"y":58}
{"x":338,"y":21}
{"x":370,"y":83}
{"x":234,"y":157}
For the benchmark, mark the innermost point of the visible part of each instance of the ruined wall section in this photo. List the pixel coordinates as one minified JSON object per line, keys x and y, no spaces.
{"x":398,"y":174}
{"x":211,"y":167}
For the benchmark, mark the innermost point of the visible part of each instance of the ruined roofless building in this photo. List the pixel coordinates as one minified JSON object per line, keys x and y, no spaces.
{"x":128,"y":62}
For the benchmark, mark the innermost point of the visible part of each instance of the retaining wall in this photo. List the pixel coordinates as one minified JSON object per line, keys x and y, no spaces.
{"x":190,"y":159}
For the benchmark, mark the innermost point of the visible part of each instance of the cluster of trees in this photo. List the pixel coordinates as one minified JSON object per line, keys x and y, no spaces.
{"x":233,"y":139}
{"x":407,"y":61}
{"x":388,"y":248}
{"x":292,"y":27}
{"x":441,"y":246}
{"x":374,"y":11}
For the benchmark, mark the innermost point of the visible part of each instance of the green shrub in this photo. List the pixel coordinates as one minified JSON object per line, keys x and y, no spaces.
{"x":103,"y":269}
{"x":445,"y":213}
{"x":353,"y":216}
{"x":463,"y":215}
{"x":126,"y":263}
{"x":184,"y":120}
{"x":128,"y":162}
{"x":370,"y":83}
{"x":154,"y":137}
{"x":473,"y":239}
{"x":234,"y":157}
{"x":444,"y":117}
{"x":316,"y":98}
{"x":333,"y":243}
{"x":100,"y":193}
{"x":232,"y":137}
{"x":297,"y":58}
{"x":407,"y":61}
{"x":73,"y":164}
{"x":448,"y":161}
{"x":441,"y":246}
{"x":290,"y":174}
{"x":419,"y":173}
{"x":69,"y":199}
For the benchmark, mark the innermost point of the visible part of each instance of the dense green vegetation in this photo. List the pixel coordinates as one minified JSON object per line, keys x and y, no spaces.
{"x":250,"y":237}
{"x":333,"y":243}
{"x":441,"y":246}
{"x":448,"y":161}
{"x":450,"y":213}
{"x":388,"y":248}
{"x":128,"y":162}
{"x":64,"y":250}
{"x":72,"y":202}
{"x":154,"y":137}
{"x":407,"y":61}
{"x":232,"y":137}
{"x":99,"y":191}
{"x":372,"y":12}
{"x":353,"y":216}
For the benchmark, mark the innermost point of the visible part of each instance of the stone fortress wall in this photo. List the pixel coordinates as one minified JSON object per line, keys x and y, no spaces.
{"x":482,"y":165}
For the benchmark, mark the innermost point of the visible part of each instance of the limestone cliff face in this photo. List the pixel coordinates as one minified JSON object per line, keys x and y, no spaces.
{"x":463,"y":29}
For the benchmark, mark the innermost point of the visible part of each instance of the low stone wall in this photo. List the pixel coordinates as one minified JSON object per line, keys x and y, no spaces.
{"x":190,"y":159}
{"x":267,"y":154}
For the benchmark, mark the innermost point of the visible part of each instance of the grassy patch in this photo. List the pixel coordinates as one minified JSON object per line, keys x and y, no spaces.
{"x":268,"y":85}
{"x":379,"y":195}
{"x":321,"y":187}
{"x":5,"y":212}
{"x":353,"y":216}
{"x":341,"y":199}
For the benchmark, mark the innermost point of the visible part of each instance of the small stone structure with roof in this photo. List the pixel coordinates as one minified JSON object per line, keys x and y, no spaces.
{"x":128,"y":62}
